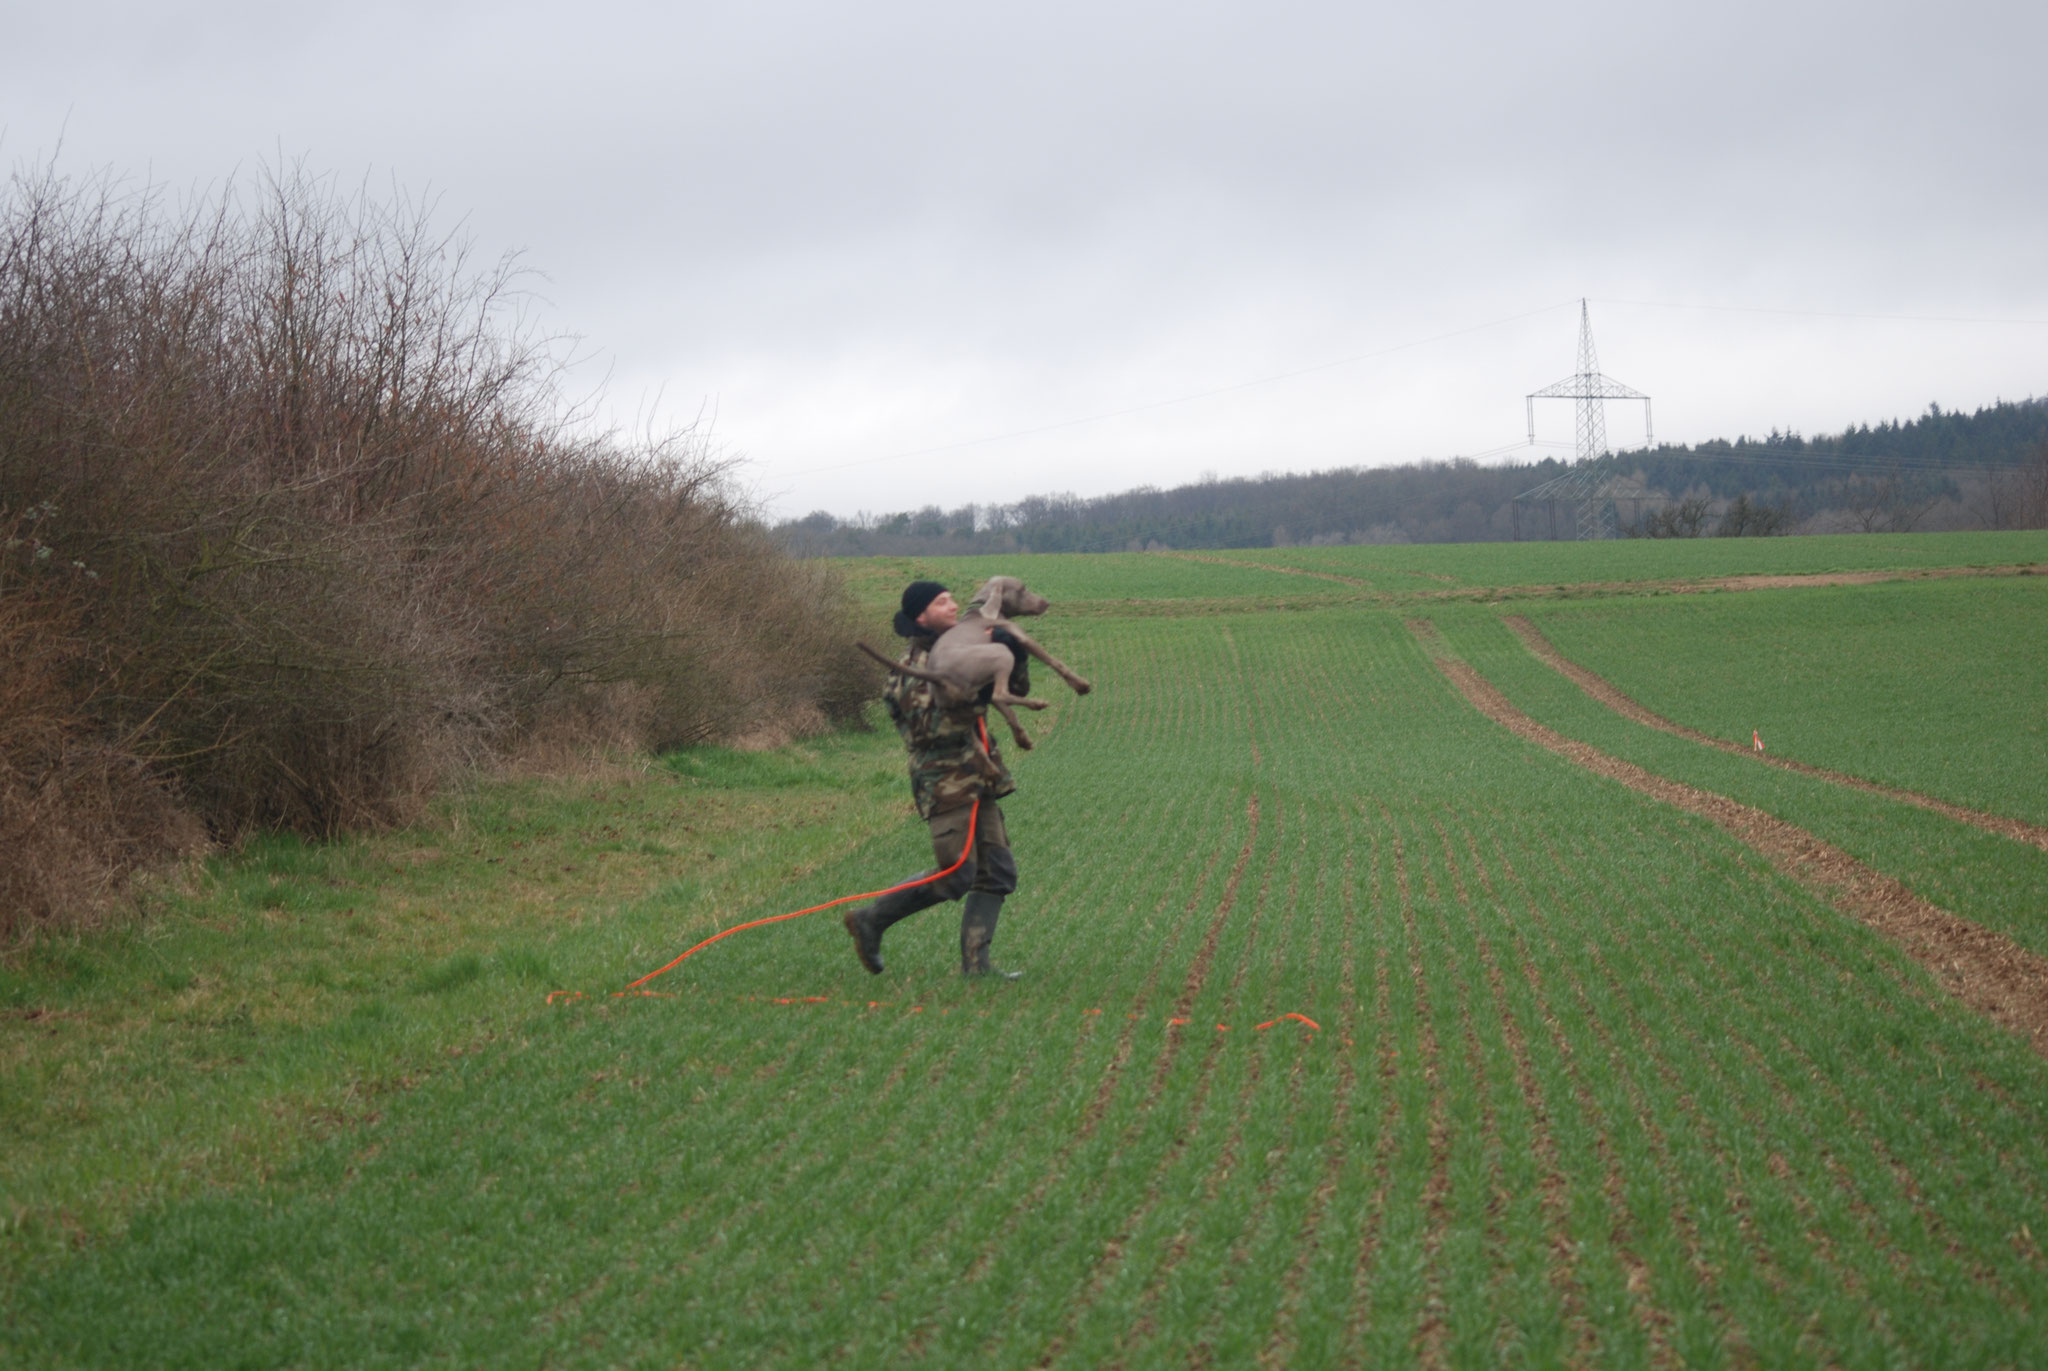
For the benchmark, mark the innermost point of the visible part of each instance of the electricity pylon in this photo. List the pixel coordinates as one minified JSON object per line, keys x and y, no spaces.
{"x":1584,"y":487}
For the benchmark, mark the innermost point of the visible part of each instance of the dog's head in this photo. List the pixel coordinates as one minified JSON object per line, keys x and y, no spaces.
{"x":1010,"y":597}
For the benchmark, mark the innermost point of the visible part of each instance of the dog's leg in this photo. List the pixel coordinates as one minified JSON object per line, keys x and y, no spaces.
{"x":1079,"y":684}
{"x":1016,"y":729}
{"x":989,"y":663}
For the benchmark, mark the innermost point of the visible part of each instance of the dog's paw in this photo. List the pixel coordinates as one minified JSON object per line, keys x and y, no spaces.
{"x":1080,"y":685}
{"x":1024,"y":743}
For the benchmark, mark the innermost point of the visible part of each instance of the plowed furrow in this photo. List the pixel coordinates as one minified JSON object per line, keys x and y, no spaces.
{"x":1803,"y":1110}
{"x":1658,"y":1093}
{"x":1481,"y":1270}
{"x":1269,"y":566}
{"x":1725,"y":1107}
{"x":1365,"y":1267}
{"x":1624,"y":1277}
{"x":1205,"y":955}
{"x":1988,"y":972}
{"x":1427,"y":1339}
{"x":940,"y":1238}
{"x":1788,"y":1020}
{"x":1811,"y":1094}
{"x":1862,"y":1234}
{"x":1709,"y":1145}
{"x":1554,"y":1186}
{"x":1607,"y":694}
{"x":1098,"y":1104}
{"x":1223,"y":1309}
{"x":1336,"y":1150}
{"x":1109,"y":1263}
{"x":1055,"y":1170}
{"x":1228,"y":1160}
{"x":767,"y":1214}
{"x":1646,"y":1202}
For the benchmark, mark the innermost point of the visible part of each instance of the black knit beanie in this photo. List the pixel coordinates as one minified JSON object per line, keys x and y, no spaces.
{"x":917,"y":597}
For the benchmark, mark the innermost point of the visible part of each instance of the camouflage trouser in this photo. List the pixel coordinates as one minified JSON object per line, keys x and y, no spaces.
{"x":988,"y":870}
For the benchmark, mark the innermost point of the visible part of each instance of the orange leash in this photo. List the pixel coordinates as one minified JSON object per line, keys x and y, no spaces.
{"x":966,"y":851}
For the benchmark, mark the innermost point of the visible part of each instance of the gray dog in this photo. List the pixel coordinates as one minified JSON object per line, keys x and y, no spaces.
{"x":970,"y":655}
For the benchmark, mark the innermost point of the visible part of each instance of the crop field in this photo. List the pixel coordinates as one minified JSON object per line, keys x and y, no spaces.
{"x":1358,"y":1028}
{"x":1116,"y":583}
{"x":1932,"y":686}
{"x":1564,"y":565}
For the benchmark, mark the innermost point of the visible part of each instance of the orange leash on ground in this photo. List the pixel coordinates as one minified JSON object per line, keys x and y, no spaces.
{"x":966,"y":851}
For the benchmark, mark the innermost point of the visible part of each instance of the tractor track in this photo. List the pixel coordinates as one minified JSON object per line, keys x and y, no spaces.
{"x":1987,"y":971}
{"x":1600,"y":689}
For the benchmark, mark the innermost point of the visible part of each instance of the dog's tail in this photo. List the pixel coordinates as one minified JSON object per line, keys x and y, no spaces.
{"x":902,"y":668}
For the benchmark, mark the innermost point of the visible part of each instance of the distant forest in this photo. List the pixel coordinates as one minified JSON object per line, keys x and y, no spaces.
{"x":1943,"y":470}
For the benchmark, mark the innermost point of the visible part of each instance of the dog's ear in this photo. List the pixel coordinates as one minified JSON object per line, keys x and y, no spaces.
{"x":989,"y":598}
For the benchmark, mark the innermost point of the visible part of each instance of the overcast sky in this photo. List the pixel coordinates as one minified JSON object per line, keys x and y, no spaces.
{"x":942,"y":253}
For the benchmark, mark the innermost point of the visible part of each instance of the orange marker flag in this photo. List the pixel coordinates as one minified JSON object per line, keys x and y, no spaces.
{"x":1756,"y":740}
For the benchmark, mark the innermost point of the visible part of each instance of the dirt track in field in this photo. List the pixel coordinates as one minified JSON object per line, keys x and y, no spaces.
{"x":1864,"y":578}
{"x":1271,"y":566}
{"x":1985,"y":970}
{"x":1600,"y":689}
{"x":1590,"y":589}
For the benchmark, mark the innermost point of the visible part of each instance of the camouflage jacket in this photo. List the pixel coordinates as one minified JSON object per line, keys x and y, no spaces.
{"x":948,"y":767}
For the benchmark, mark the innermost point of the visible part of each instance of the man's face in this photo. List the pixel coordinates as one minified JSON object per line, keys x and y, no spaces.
{"x":941,"y":614}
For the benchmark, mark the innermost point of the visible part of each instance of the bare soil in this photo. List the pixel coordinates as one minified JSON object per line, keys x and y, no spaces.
{"x":1985,"y":970}
{"x":1864,"y":578}
{"x":1600,"y":689}
{"x":1269,"y":566}
{"x":1575,"y":590}
{"x":1111,"y":1259}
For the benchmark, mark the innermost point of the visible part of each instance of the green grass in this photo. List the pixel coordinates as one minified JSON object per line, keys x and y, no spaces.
{"x":1123,"y":583}
{"x":1990,"y":880}
{"x":1594,"y":1085}
{"x":1936,"y":686}
{"x":279,"y":992}
{"x":1568,"y":564}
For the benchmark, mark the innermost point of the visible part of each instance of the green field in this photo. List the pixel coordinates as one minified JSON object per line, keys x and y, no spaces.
{"x":1933,"y":686}
{"x":1563,"y":564}
{"x":1122,"y":584}
{"x":1578,"y":1079}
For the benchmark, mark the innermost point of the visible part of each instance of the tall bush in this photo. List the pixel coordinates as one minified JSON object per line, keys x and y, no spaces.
{"x":343,"y":532}
{"x":78,"y":811}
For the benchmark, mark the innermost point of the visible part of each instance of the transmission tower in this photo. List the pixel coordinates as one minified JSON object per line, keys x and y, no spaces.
{"x":1585,"y":487}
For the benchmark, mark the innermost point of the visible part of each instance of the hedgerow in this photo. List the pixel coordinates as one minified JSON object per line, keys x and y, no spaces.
{"x":314,"y":527}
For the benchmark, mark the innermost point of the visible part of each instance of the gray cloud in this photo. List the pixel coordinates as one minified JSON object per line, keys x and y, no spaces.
{"x":863,"y":231}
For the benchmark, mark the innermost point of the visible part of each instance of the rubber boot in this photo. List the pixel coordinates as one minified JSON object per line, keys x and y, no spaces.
{"x":978,"y":913}
{"x":866,"y":922}
{"x":867,"y":939}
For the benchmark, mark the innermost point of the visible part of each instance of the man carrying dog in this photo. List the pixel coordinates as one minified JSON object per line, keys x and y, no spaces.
{"x":953,"y":763}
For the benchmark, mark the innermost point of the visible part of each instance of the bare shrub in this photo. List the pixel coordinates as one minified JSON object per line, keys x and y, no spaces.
{"x":1887,"y":502}
{"x":2018,"y":497}
{"x":1681,"y":520}
{"x":77,"y":813}
{"x":345,"y":536}
{"x":1747,"y":518}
